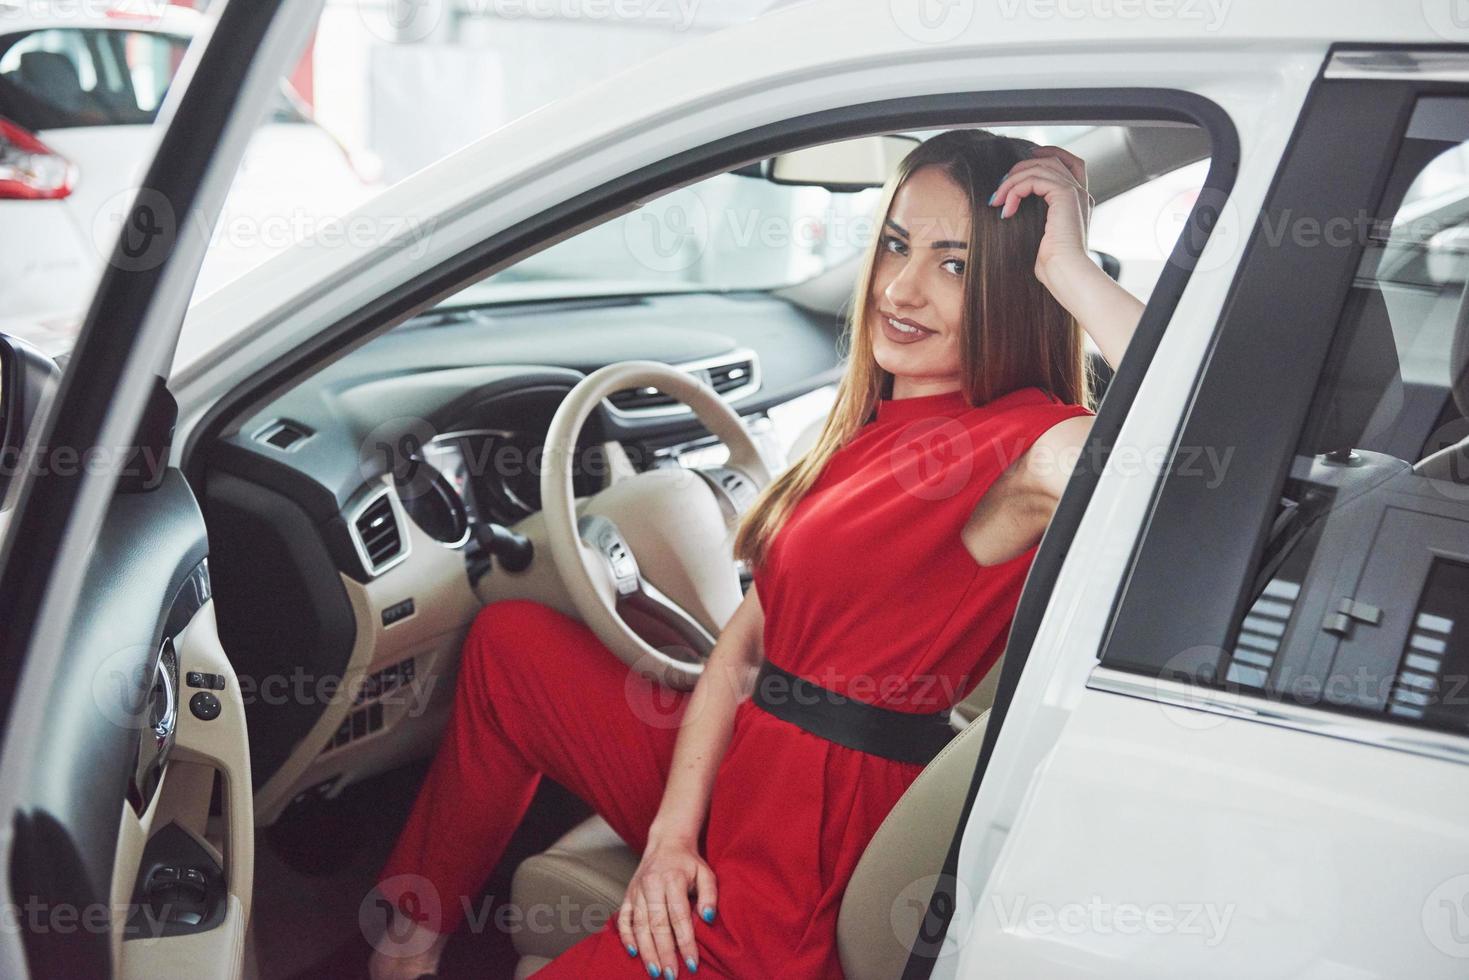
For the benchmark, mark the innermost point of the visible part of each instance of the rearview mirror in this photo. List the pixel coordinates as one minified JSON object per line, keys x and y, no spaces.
{"x":28,"y":378}
{"x":844,"y":167}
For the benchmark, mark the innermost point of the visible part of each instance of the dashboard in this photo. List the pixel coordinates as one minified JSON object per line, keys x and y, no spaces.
{"x":346,"y":515}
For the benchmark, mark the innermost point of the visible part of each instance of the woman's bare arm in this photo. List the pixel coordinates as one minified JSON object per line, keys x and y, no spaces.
{"x":728,"y":678}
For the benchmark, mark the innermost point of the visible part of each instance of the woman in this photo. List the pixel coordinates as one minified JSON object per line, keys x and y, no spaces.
{"x":888,"y":561}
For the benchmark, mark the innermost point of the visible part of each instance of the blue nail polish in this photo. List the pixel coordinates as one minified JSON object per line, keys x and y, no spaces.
{"x":668,"y":973}
{"x":653,"y":970}
{"x":992,"y":198}
{"x":632,"y":950}
{"x":693,"y":967}
{"x":708,"y":913}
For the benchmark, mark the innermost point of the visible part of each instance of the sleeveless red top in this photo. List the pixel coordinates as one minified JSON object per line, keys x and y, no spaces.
{"x":867,"y":590}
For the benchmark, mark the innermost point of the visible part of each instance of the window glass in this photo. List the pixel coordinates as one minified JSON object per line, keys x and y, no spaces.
{"x":62,"y":77}
{"x":1357,"y":600}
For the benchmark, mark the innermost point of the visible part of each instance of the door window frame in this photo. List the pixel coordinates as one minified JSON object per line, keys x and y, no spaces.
{"x":1203,"y":544}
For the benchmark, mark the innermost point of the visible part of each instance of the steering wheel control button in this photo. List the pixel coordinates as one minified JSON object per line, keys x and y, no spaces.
{"x":212,"y":682}
{"x":205,"y":706}
{"x":606,"y":540}
{"x":397,"y":611}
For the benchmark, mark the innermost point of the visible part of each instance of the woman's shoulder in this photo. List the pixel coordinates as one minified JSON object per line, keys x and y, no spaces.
{"x":1024,"y":404}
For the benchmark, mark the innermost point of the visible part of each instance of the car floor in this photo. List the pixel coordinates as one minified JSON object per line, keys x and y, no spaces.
{"x":313,"y":870}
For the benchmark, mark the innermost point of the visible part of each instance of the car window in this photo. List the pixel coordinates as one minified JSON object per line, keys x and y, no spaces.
{"x":61,"y":77}
{"x":734,"y":232}
{"x":1365,"y":573}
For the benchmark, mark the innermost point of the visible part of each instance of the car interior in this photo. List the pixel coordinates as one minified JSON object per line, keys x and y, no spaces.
{"x":301,"y":588}
{"x":1375,"y":500}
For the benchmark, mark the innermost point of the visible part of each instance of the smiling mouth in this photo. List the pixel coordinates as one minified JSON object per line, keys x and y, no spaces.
{"x":904,"y":325}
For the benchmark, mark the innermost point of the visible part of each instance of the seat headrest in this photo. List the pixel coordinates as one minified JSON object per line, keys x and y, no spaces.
{"x":52,"y":75}
{"x":1459,"y":356}
{"x":1360,"y":393}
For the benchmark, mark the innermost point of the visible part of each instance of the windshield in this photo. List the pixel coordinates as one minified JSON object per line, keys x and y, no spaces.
{"x":726,"y":232}
{"x":729,"y":232}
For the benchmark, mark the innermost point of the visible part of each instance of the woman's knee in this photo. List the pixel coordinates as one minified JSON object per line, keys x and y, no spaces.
{"x":512,"y":634}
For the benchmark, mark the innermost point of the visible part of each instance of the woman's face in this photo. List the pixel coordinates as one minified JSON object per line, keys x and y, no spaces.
{"x":918,"y":280}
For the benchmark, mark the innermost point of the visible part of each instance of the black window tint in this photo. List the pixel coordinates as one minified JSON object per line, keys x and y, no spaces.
{"x":1355,"y":604}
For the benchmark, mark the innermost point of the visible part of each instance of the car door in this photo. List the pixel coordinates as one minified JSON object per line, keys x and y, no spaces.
{"x":95,"y":562}
{"x":1244,"y":755}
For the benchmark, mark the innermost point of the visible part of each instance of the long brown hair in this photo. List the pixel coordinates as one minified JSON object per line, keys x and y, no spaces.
{"x":1015,"y":335}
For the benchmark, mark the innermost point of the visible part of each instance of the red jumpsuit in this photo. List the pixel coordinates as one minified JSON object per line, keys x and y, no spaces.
{"x":868,"y":590}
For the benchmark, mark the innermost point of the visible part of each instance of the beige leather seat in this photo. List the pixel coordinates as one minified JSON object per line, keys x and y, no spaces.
{"x":587,"y":870}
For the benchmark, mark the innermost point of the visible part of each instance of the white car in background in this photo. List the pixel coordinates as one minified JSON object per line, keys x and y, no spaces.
{"x":80,"y":88}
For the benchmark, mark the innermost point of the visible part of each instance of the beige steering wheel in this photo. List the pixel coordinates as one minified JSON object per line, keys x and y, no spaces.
{"x":655,"y":545}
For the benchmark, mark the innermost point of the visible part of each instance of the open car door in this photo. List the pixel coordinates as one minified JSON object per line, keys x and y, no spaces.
{"x":122,"y":734}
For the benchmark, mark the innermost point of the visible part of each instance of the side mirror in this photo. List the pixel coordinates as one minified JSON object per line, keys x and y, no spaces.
{"x":28,"y":379}
{"x":1109,"y":263}
{"x":843,"y":167}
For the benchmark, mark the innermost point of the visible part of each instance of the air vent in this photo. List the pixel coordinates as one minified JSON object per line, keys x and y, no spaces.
{"x":732,"y":375}
{"x":283,"y":434}
{"x":728,"y":377}
{"x":377,"y":532}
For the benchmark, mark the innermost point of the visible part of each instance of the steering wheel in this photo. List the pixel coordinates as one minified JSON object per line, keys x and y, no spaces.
{"x":658,"y":542}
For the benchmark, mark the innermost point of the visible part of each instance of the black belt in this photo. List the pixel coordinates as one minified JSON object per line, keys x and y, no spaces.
{"x":899,"y":735}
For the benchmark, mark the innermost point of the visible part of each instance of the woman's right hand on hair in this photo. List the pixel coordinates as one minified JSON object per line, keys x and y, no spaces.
{"x":656,"y":917}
